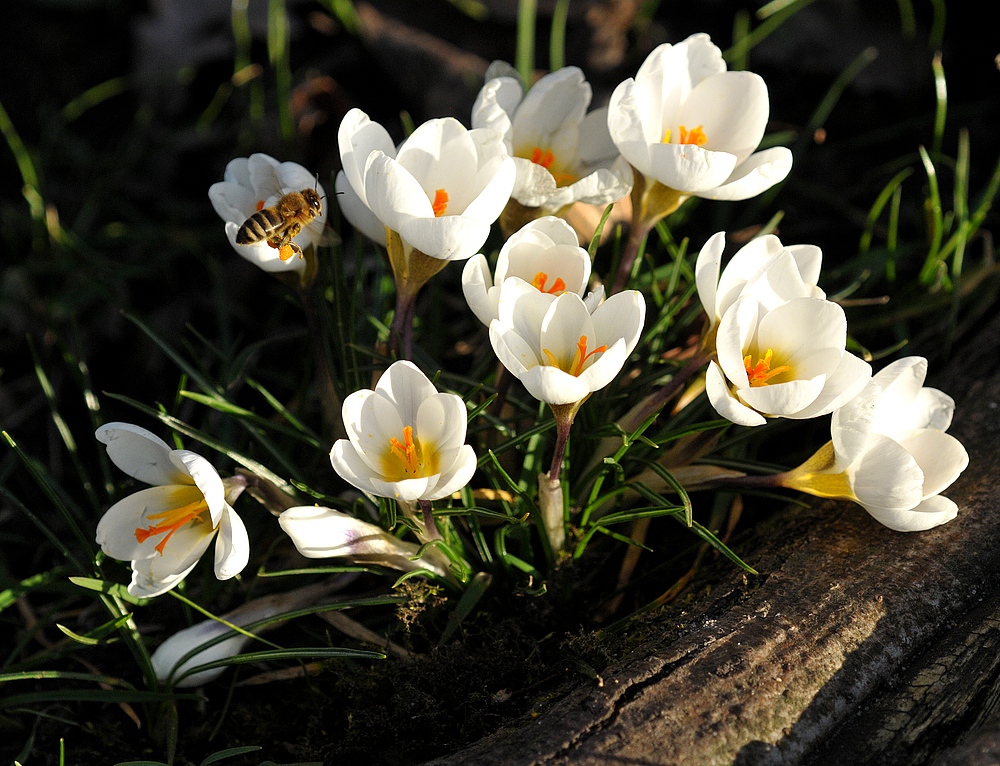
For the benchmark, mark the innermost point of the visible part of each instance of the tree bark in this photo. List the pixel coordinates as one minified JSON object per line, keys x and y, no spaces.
{"x":855,"y":644}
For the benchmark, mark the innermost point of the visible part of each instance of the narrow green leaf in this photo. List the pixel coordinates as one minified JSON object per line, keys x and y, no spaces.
{"x":109,"y":589}
{"x":223,"y":754}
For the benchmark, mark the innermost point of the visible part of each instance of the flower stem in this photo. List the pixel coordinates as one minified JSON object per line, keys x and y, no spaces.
{"x":401,"y":330}
{"x":636,"y":236}
{"x":651,"y":201}
{"x":430,"y":523}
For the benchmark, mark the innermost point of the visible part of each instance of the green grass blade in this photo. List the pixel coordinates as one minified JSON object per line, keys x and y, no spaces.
{"x":525,"y":57}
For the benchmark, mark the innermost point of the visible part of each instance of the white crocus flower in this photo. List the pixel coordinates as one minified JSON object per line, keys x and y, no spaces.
{"x":440,"y":192}
{"x":788,"y":361}
{"x":406,"y":440}
{"x":554,"y":345}
{"x":752,"y":265}
{"x":563,"y":154}
{"x":164,"y":530}
{"x":543,"y":253}
{"x":253,"y":183}
{"x":692,"y":126}
{"x":320,"y":533}
{"x":889,"y":452}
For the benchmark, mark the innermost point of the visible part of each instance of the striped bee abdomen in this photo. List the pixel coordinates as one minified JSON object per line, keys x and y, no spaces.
{"x":258,"y":227}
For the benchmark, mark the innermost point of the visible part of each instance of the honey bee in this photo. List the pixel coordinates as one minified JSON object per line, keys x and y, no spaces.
{"x":279,"y":224}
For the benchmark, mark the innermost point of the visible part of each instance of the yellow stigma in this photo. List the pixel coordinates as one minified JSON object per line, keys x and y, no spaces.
{"x":761,"y":373}
{"x":408,"y":459}
{"x":575,"y":367}
{"x":694,"y":136}
{"x":440,"y":204}
{"x":539,"y":284}
{"x":172,"y":520}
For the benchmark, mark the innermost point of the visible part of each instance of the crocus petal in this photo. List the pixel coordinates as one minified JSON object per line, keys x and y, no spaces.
{"x":358,"y":137}
{"x":232,"y":200}
{"x":204,"y":476}
{"x":141,"y":454}
{"x":357,"y":212}
{"x":732,"y":108}
{"x":476,"y":283}
{"x":553,"y":386}
{"x":756,"y":174}
{"x":460,"y":474}
{"x":846,"y":382}
{"x":907,"y":405}
{"x":232,"y":546}
{"x":167,"y":655}
{"x":495,"y":104}
{"x":725,"y":403}
{"x":324,"y":533}
{"x":706,"y":274}
{"x":514,"y":352}
{"x":783,"y":399}
{"x":620,"y":316}
{"x":147,"y":585}
{"x":886,"y":476}
{"x":348,"y":463}
{"x":116,"y":529}
{"x":407,"y":387}
{"x":606,"y":367}
{"x":851,"y":425}
{"x":930,"y":513}
{"x":407,"y":490}
{"x":450,"y":238}
{"x":155,"y":576}
{"x":393,"y":194}
{"x":688,"y":168}
{"x":441,"y":421}
{"x":940,"y":456}
{"x":738,"y":326}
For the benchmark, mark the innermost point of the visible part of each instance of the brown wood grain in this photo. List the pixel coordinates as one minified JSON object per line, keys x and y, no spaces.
{"x":855,"y":645}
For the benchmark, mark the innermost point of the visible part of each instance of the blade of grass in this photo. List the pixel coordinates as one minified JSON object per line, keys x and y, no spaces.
{"x":51,"y":490}
{"x":525,"y":56}
{"x":181,"y":427}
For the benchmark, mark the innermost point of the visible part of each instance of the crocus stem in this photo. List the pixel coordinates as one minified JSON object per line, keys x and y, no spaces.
{"x":562,"y":438}
{"x":430,"y":523}
{"x":636,"y":236}
{"x":550,"y":494}
{"x":737,"y":483}
{"x":401,"y":331}
{"x":651,"y":201}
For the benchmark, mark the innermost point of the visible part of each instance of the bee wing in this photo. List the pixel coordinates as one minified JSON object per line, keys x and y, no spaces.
{"x":265,"y":181}
{"x":322,"y":233}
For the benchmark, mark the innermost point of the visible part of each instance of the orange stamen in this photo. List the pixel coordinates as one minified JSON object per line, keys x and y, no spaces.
{"x":579,"y":358}
{"x":539,"y":284}
{"x":694,"y":136}
{"x":440,"y":203}
{"x":406,"y":452}
{"x":760,"y":373}
{"x":545,"y":158}
{"x":260,"y":205}
{"x":174,"y":519}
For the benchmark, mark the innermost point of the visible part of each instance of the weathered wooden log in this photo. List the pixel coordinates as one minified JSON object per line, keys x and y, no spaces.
{"x":855,"y":645}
